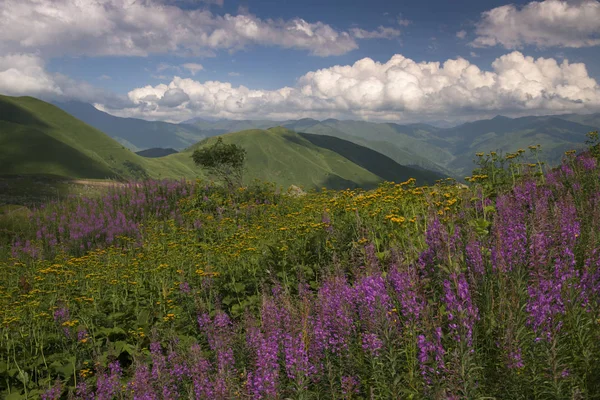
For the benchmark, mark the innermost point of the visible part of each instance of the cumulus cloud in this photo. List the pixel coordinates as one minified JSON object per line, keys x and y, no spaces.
{"x":543,"y":24}
{"x":380,"y":33}
{"x":25,"y":74}
{"x":173,"y":98}
{"x":140,"y":28}
{"x":193,"y":67}
{"x":399,"y":89}
{"x":461,"y":34}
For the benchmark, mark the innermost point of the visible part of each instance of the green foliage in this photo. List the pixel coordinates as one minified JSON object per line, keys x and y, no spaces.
{"x":593,"y":143}
{"x":226,"y":161}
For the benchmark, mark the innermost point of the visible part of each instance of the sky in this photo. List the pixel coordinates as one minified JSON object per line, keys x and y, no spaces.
{"x":376,"y":60}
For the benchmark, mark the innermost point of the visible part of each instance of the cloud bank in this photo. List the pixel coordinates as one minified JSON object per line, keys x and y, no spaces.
{"x":543,"y":24}
{"x":142,"y":27}
{"x":397,"y":90}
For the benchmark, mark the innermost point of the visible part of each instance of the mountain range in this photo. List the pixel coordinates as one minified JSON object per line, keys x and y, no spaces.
{"x":448,"y":151}
{"x":76,"y":140}
{"x":40,"y":138}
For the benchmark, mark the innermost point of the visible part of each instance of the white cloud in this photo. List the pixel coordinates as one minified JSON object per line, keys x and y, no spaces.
{"x":140,"y":28}
{"x":400,"y":89}
{"x":380,"y":33}
{"x":461,"y":34}
{"x":543,"y":24}
{"x":22,"y":74}
{"x":193,"y":67}
{"x":234,"y":74}
{"x":104,"y":78}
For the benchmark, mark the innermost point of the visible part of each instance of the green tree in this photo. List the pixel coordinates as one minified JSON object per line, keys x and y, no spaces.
{"x":223,"y":161}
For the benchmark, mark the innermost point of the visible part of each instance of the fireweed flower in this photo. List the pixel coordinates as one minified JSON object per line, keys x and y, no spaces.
{"x":461,"y":312}
{"x":54,"y":392}
{"x":371,"y":344}
{"x":405,"y":285}
{"x":431,"y":355}
{"x":510,"y":231}
{"x":350,"y":386}
{"x":200,"y":372}
{"x":334,"y":319}
{"x":515,"y":359}
{"x":474,"y":259}
{"x":141,"y":384}
{"x":372,"y":300}
{"x":108,"y":386}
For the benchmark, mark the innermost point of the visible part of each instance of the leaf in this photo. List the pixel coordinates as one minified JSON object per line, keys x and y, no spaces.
{"x":239,"y":287}
{"x":14,"y":396}
{"x":143,"y":317}
{"x":123,"y":347}
{"x":227,"y":300}
{"x":23,"y":377}
{"x":489,"y":209}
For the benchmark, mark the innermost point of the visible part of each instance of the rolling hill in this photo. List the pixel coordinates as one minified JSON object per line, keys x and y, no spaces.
{"x":285,"y":157}
{"x":39,"y":138}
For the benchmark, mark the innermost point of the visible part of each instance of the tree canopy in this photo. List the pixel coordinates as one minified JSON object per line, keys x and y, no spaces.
{"x":224,"y":161}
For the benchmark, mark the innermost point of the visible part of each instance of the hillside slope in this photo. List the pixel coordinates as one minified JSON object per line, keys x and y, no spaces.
{"x":286,"y":157}
{"x":39,"y":138}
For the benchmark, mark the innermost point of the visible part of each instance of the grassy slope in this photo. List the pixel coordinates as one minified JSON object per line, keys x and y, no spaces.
{"x":284,"y":157}
{"x":375,"y":162}
{"x":405,"y":145}
{"x":39,"y":138}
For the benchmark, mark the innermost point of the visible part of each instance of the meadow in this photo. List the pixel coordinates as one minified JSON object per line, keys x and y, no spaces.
{"x":178,"y":289}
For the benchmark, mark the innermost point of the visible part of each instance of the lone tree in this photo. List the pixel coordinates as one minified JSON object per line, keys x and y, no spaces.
{"x":224,"y":161}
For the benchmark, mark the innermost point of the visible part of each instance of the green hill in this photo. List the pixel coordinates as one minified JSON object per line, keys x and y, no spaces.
{"x":39,"y":138}
{"x":286,"y":157}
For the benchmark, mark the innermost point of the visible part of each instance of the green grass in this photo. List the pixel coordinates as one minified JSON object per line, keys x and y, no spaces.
{"x":285,"y":157}
{"x":39,"y":138}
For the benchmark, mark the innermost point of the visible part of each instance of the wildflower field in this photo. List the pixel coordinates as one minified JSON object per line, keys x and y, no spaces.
{"x":169,"y":290}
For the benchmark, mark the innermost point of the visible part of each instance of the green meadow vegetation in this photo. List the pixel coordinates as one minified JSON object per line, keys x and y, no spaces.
{"x":185,"y":289}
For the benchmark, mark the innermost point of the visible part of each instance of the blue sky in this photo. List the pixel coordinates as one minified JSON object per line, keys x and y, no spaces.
{"x":177,"y":59}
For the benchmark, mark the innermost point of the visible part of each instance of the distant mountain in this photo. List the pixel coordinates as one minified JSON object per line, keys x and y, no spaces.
{"x":584,"y":119}
{"x":39,"y":138}
{"x":156,"y":152}
{"x":555,"y":135}
{"x":137,"y":134}
{"x":450,"y":150}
